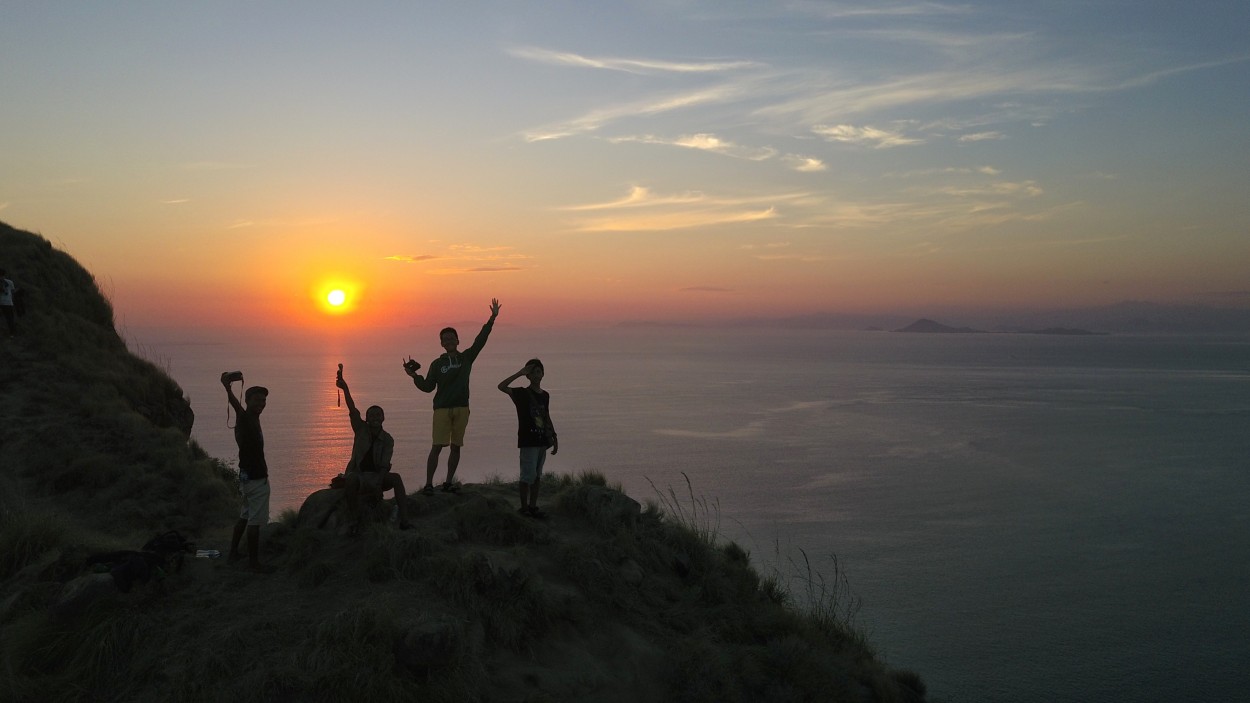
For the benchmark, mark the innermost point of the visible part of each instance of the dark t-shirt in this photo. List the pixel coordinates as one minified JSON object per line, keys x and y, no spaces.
{"x":533,"y":414}
{"x":251,"y":441}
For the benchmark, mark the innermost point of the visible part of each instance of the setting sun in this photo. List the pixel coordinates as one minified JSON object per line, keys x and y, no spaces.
{"x":336,"y":297}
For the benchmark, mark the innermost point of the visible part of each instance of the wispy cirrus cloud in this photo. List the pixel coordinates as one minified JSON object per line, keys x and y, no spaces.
{"x":1002,"y":188}
{"x":703,"y":142}
{"x":176,"y":201}
{"x":981,"y":137}
{"x":475,"y":269}
{"x":642,"y":210}
{"x":595,"y":120}
{"x":410,"y":259}
{"x":627,"y":65}
{"x":864,"y":136}
{"x":948,"y":171}
{"x":804,"y":164}
{"x":705,"y":289}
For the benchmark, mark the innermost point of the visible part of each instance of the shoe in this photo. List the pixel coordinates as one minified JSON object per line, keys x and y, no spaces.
{"x":449,"y":487}
{"x":537,"y":514}
{"x":524,"y":510}
{"x":428,"y":490}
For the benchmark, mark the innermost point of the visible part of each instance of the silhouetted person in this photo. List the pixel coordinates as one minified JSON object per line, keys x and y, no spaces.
{"x":7,"y":309}
{"x":448,"y":378}
{"x":370,"y":466}
{"x":535,"y":431}
{"x":253,"y":472}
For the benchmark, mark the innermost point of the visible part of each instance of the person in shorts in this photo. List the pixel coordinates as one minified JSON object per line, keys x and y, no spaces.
{"x":253,"y":472}
{"x":448,"y":379}
{"x":535,"y":431}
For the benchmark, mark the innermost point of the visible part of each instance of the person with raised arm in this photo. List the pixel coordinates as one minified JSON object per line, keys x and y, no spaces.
{"x":253,"y":471}
{"x":369,"y":468}
{"x":448,"y":379}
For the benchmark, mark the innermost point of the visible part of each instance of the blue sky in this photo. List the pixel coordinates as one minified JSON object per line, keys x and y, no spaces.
{"x":680,"y":158}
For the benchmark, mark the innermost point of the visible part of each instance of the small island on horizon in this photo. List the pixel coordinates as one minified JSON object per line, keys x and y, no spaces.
{"x":927,"y":326}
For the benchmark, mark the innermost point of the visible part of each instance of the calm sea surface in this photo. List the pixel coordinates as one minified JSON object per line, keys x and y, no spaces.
{"x":1025,"y":518}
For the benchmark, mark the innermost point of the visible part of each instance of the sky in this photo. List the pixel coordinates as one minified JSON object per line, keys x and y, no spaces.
{"x":231,"y":163}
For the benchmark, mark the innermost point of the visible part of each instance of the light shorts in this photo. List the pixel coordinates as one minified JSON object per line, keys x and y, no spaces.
{"x":449,"y":426}
{"x":255,"y":501}
{"x":532,"y":460}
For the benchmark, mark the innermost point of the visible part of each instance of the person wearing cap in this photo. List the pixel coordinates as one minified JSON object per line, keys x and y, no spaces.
{"x":253,"y":473}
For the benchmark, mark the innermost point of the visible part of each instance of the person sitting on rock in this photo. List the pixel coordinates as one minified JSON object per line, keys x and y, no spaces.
{"x":369,"y":469}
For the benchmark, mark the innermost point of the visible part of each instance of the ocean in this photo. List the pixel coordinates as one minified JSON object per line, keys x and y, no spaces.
{"x":1022,"y":517}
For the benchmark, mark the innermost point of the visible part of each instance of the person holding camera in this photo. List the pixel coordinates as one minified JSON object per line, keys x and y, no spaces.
{"x":370,"y":466}
{"x":535,"y":432}
{"x":448,"y":379}
{"x":253,"y":470}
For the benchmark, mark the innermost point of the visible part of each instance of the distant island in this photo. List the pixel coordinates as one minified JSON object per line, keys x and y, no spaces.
{"x":927,"y":326}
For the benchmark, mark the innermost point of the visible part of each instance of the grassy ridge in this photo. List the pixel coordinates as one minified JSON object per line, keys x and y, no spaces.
{"x":604,"y":601}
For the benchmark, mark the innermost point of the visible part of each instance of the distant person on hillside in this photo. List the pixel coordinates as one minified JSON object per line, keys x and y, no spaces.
{"x":370,"y":466}
{"x":7,"y":294}
{"x":535,"y":431}
{"x":448,"y":378}
{"x":253,"y":472}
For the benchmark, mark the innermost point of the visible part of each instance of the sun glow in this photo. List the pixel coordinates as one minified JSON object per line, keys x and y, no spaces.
{"x":336,"y":296}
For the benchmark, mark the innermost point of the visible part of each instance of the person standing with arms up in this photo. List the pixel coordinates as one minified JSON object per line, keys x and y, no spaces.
{"x":448,"y":379}
{"x":253,"y":471}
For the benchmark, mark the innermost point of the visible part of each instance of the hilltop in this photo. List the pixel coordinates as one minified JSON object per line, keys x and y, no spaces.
{"x":606,"y":600}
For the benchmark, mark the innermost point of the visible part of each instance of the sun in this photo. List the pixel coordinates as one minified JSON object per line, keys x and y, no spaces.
{"x":336,"y":295}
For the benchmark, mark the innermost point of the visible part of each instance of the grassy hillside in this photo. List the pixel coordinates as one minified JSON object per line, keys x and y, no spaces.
{"x":605,"y":600}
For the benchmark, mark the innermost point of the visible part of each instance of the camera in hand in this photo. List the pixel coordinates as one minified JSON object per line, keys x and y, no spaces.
{"x":411,"y":365}
{"x":231,"y":376}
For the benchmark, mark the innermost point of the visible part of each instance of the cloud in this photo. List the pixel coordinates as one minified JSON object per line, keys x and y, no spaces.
{"x":596,"y":119}
{"x":3,"y":205}
{"x":948,"y":171}
{"x":981,"y":137}
{"x":1001,"y":188}
{"x":641,"y":196}
{"x":474,"y":269}
{"x":703,"y":142}
{"x":864,"y":136}
{"x":177,"y":201}
{"x":406,"y":259}
{"x":768,"y":245}
{"x":639,"y":66}
{"x":804,"y":164}
{"x":687,"y":219}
